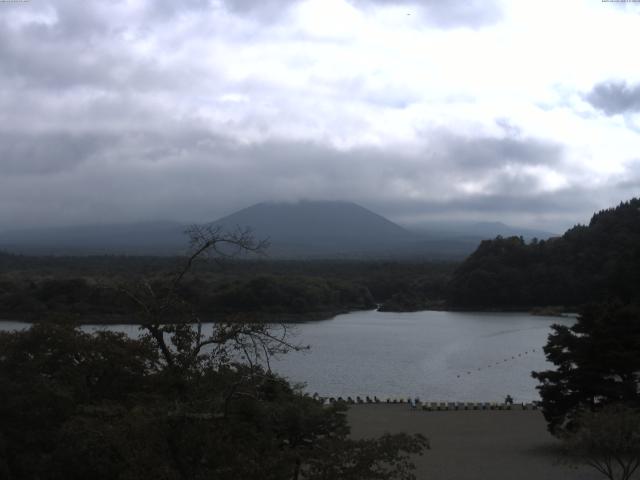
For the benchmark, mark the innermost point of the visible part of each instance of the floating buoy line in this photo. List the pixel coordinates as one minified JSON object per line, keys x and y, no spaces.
{"x":499,"y":362}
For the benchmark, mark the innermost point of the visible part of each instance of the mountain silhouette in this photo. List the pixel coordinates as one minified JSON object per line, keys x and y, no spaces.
{"x":305,"y":229}
{"x":321,"y":228}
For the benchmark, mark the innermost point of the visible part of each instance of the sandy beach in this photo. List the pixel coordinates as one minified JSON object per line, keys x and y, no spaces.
{"x":473,"y":444}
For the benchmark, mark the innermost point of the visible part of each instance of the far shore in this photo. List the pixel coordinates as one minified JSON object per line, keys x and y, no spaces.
{"x":267,"y":317}
{"x":262,"y":317}
{"x":473,"y":444}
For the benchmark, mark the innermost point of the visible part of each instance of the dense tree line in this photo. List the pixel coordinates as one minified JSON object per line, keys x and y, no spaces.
{"x":38,"y":287}
{"x":257,"y":294}
{"x":588,"y":263}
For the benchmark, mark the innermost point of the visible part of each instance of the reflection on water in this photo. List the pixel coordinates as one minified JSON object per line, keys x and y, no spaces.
{"x":438,"y":356}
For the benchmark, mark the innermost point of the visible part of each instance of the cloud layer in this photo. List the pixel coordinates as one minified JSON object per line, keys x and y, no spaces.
{"x":615,"y":97}
{"x":135,"y":110}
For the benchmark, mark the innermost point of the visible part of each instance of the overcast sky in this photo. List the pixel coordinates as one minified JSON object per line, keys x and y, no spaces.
{"x":526,"y":112}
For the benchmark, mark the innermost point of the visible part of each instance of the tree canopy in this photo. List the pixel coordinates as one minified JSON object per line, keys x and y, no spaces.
{"x":588,"y":263}
{"x":174,"y":403}
{"x":597,"y":363}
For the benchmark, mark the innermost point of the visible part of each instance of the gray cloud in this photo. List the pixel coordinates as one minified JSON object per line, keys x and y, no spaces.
{"x":631,"y":178}
{"x":194,"y":175}
{"x":45,"y":153}
{"x":110,"y":115}
{"x":481,"y":153}
{"x":569,"y":203}
{"x":552,"y":211}
{"x":447,"y":14}
{"x":83,"y":48}
{"x":438,"y":13}
{"x":251,"y":6}
{"x":169,"y":8}
{"x":73,"y":21}
{"x":615,"y":97}
{"x":263,"y":11}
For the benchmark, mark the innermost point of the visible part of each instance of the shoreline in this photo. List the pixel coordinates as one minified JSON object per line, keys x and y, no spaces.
{"x":123,"y":319}
{"x":267,"y":317}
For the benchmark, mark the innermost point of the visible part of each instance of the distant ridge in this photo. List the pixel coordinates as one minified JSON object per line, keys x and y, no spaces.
{"x":143,"y":238}
{"x":480,"y":230}
{"x":299,"y":230}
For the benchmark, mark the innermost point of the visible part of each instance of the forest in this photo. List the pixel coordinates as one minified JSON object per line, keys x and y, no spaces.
{"x":35,"y":288}
{"x":588,"y":263}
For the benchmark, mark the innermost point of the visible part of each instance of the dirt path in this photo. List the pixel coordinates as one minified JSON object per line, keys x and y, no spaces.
{"x":474,"y":444}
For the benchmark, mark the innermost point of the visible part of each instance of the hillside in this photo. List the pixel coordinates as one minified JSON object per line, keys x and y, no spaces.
{"x":321,"y":229}
{"x":588,"y":263}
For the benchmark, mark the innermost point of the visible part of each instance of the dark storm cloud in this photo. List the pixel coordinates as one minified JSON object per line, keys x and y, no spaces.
{"x":447,"y":14}
{"x":615,"y":97}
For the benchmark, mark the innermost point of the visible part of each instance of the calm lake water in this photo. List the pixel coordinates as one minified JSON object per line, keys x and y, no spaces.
{"x":437,"y":356}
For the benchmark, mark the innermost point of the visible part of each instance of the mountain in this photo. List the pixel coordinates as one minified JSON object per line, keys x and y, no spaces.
{"x":322,"y":228}
{"x":295,"y":230}
{"x":588,"y":263}
{"x":306,"y":229}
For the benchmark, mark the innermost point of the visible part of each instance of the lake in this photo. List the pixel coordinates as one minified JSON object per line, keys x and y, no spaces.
{"x":437,"y":356}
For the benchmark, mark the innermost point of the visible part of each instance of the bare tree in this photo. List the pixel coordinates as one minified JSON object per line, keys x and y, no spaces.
{"x":176,"y":327}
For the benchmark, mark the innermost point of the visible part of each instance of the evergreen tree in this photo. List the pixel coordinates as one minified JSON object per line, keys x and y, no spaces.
{"x":597,"y":363}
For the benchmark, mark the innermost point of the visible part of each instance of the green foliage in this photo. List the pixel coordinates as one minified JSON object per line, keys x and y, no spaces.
{"x":585,"y":264}
{"x":597,"y":362}
{"x":48,"y":374}
{"x":607,"y":440}
{"x":83,"y":286}
{"x":275,"y":294}
{"x":176,"y":404}
{"x":104,"y":406}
